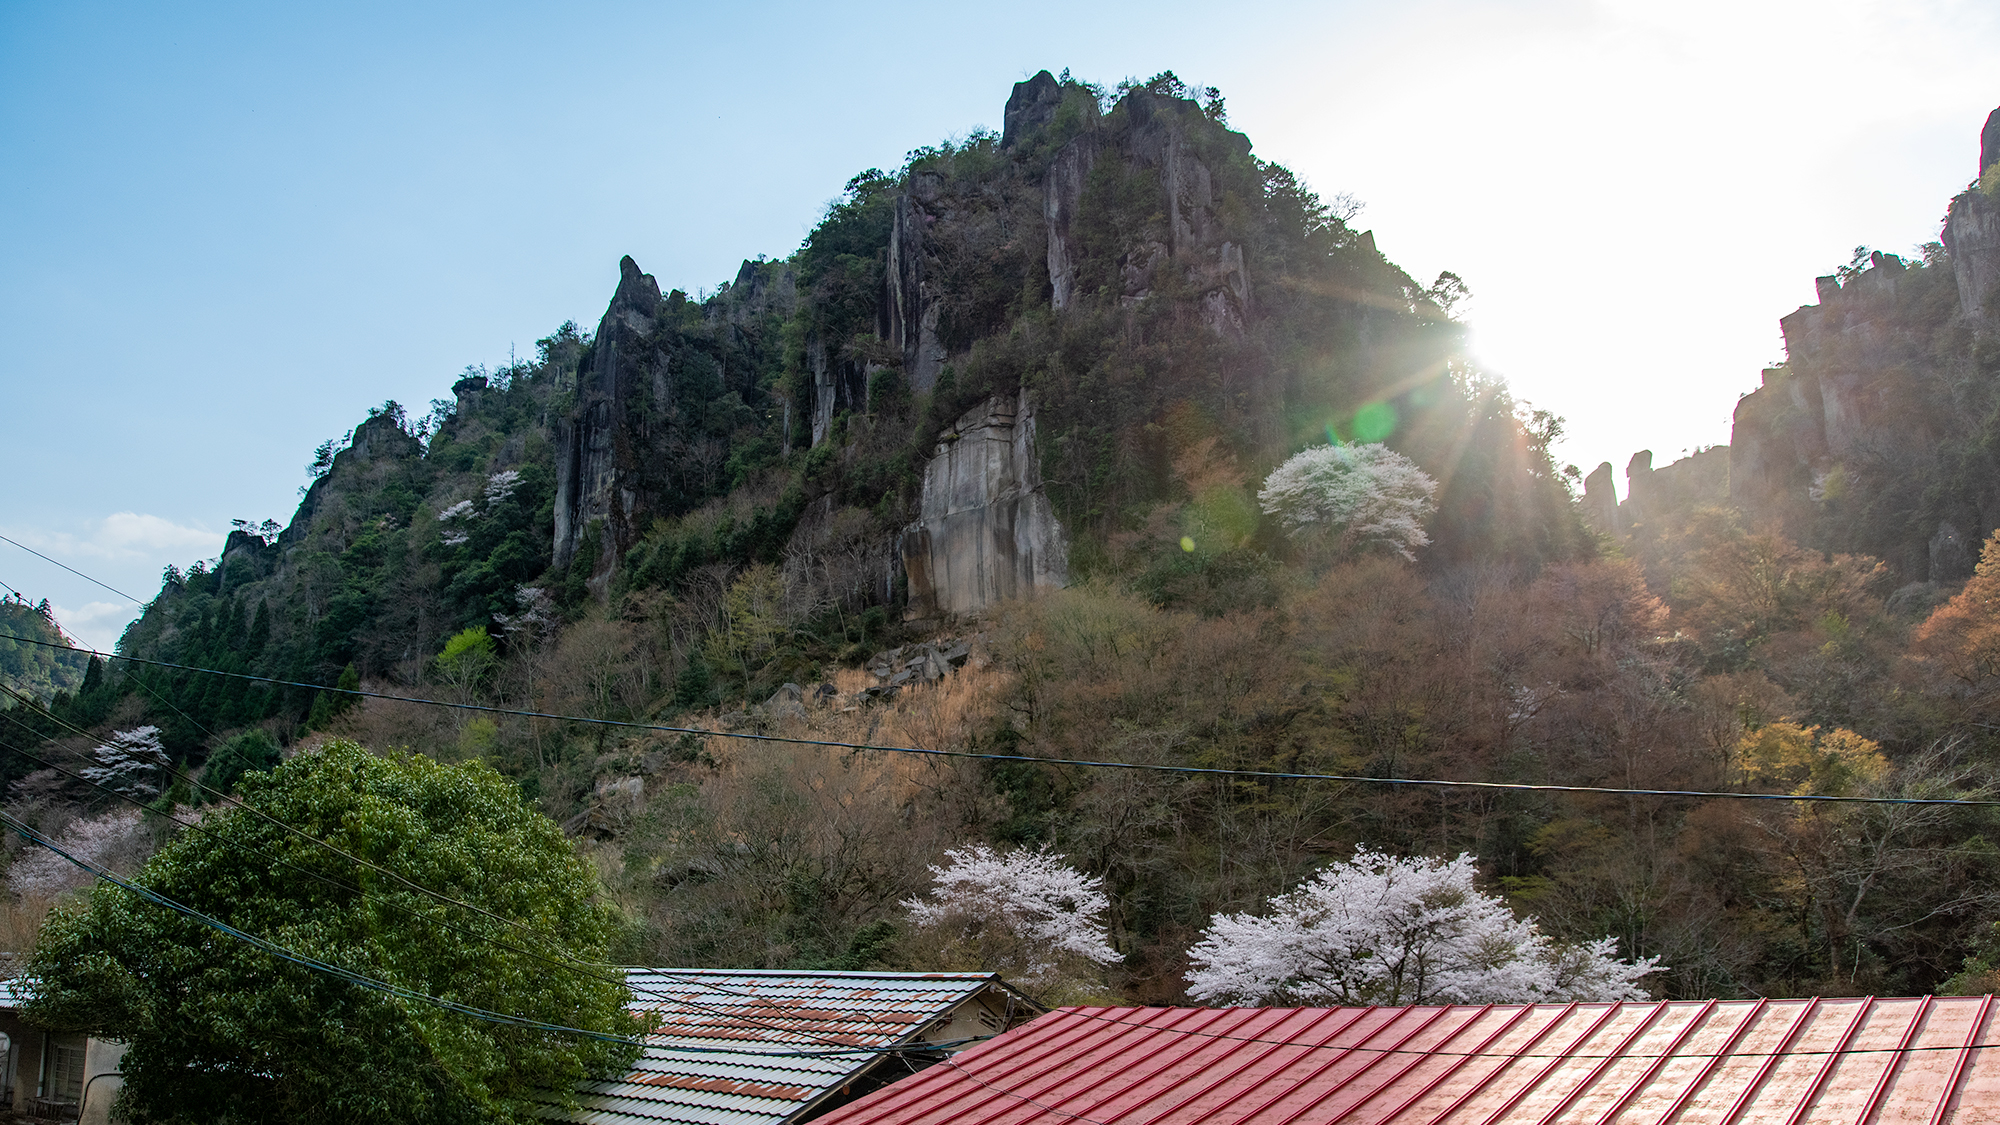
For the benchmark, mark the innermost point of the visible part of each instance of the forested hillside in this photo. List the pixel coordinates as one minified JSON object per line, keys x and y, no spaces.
{"x":40,"y":672}
{"x":986,"y":465}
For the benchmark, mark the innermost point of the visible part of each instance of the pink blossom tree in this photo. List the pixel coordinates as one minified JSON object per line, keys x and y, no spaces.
{"x":133,"y":763}
{"x":1026,"y":914}
{"x":1352,"y":498}
{"x":1379,"y":929}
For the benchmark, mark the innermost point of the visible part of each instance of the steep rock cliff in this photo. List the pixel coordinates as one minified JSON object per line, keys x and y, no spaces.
{"x":660,"y":397}
{"x":987,"y":531}
{"x":1872,"y":436}
{"x":604,"y":442}
{"x":1169,"y":148}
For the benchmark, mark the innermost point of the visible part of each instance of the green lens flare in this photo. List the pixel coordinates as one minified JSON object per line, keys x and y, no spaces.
{"x":1187,"y":543}
{"x":1374,"y":421}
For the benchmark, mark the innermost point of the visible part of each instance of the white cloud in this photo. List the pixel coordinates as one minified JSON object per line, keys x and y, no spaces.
{"x":125,"y":550}
{"x":130,"y":531}
{"x":96,"y":625}
{"x":126,"y":536}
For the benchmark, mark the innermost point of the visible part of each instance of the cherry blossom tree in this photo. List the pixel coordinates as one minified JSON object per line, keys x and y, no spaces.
{"x":1379,"y":929}
{"x":116,"y":839}
{"x":133,"y":763}
{"x":1026,"y":914}
{"x":1353,"y":498}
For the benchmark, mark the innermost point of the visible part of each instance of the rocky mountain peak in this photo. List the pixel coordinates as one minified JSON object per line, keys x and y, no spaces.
{"x":1031,"y":107}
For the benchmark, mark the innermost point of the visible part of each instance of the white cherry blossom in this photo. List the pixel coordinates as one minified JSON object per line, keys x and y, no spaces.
{"x":1379,"y":929}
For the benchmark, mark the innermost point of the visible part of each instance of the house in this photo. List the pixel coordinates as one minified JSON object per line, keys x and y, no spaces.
{"x":741,"y":1047}
{"x":1856,"y":1061}
{"x":52,"y":1076}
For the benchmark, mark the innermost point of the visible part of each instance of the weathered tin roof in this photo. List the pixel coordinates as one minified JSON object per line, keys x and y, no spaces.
{"x":1928,"y":1061}
{"x":742,"y":1047}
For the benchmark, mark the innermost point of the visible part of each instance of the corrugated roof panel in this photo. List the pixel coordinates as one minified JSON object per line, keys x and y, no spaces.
{"x":747,"y":1047}
{"x":1851,"y":1061}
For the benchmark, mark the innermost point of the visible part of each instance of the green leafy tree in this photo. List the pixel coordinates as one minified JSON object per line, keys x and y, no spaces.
{"x":468,"y":658}
{"x":250,"y":751}
{"x":223,"y":1031}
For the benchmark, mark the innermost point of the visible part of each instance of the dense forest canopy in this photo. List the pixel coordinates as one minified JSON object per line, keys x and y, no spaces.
{"x":713,"y":513}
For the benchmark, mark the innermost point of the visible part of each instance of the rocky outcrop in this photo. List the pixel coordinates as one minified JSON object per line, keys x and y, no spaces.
{"x":594,"y":443}
{"x":1696,"y":481}
{"x":1600,"y":499}
{"x":912,"y":304}
{"x":839,"y":382}
{"x":1972,"y":236}
{"x":1843,"y":445}
{"x":1062,"y":194}
{"x":1030,"y":108}
{"x":907,"y":665}
{"x":1168,"y":140}
{"x":987,"y":531}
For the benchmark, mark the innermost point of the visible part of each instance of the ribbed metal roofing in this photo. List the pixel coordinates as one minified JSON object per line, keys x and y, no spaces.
{"x":1927,"y":1061}
{"x":742,"y":1047}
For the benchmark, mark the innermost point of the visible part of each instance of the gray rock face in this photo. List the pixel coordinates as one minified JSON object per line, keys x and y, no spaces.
{"x":1600,"y":498}
{"x":1952,"y":558}
{"x":913,"y":307}
{"x":1972,"y":235}
{"x":905,"y":665}
{"x":467,"y":392}
{"x":1062,"y":191}
{"x":1160,"y":139}
{"x":788,"y":702}
{"x":988,"y":531}
{"x":379,"y":437}
{"x":1030,"y":108}
{"x":1638,"y":487}
{"x":624,"y":369}
{"x":1989,"y":142}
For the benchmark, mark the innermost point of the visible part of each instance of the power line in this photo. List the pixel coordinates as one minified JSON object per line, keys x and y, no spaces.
{"x":73,"y":570}
{"x":1362,"y":1048}
{"x":498,"y":1017}
{"x":1208,"y":771}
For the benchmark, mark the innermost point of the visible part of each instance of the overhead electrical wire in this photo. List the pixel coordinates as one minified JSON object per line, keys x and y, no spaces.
{"x":488,"y":1015}
{"x":73,"y":570}
{"x":504,"y":1018}
{"x":1084,"y":763}
{"x":1087,"y":763}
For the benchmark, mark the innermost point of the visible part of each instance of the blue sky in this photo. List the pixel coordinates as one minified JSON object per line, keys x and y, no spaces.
{"x":226,"y":231}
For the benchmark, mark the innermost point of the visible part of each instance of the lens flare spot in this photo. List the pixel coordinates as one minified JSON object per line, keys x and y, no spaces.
{"x":1187,"y":543}
{"x":1375,"y":421}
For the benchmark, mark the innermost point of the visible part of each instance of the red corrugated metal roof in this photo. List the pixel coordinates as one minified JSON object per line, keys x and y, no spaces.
{"x":1926,"y":1061}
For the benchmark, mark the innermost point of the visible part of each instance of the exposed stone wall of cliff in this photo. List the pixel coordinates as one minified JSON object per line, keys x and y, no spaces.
{"x":1095,"y":261}
{"x":1871,"y":437}
{"x":1171,"y":150}
{"x":659,"y":398}
{"x":602,"y":444}
{"x":987,"y":531}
